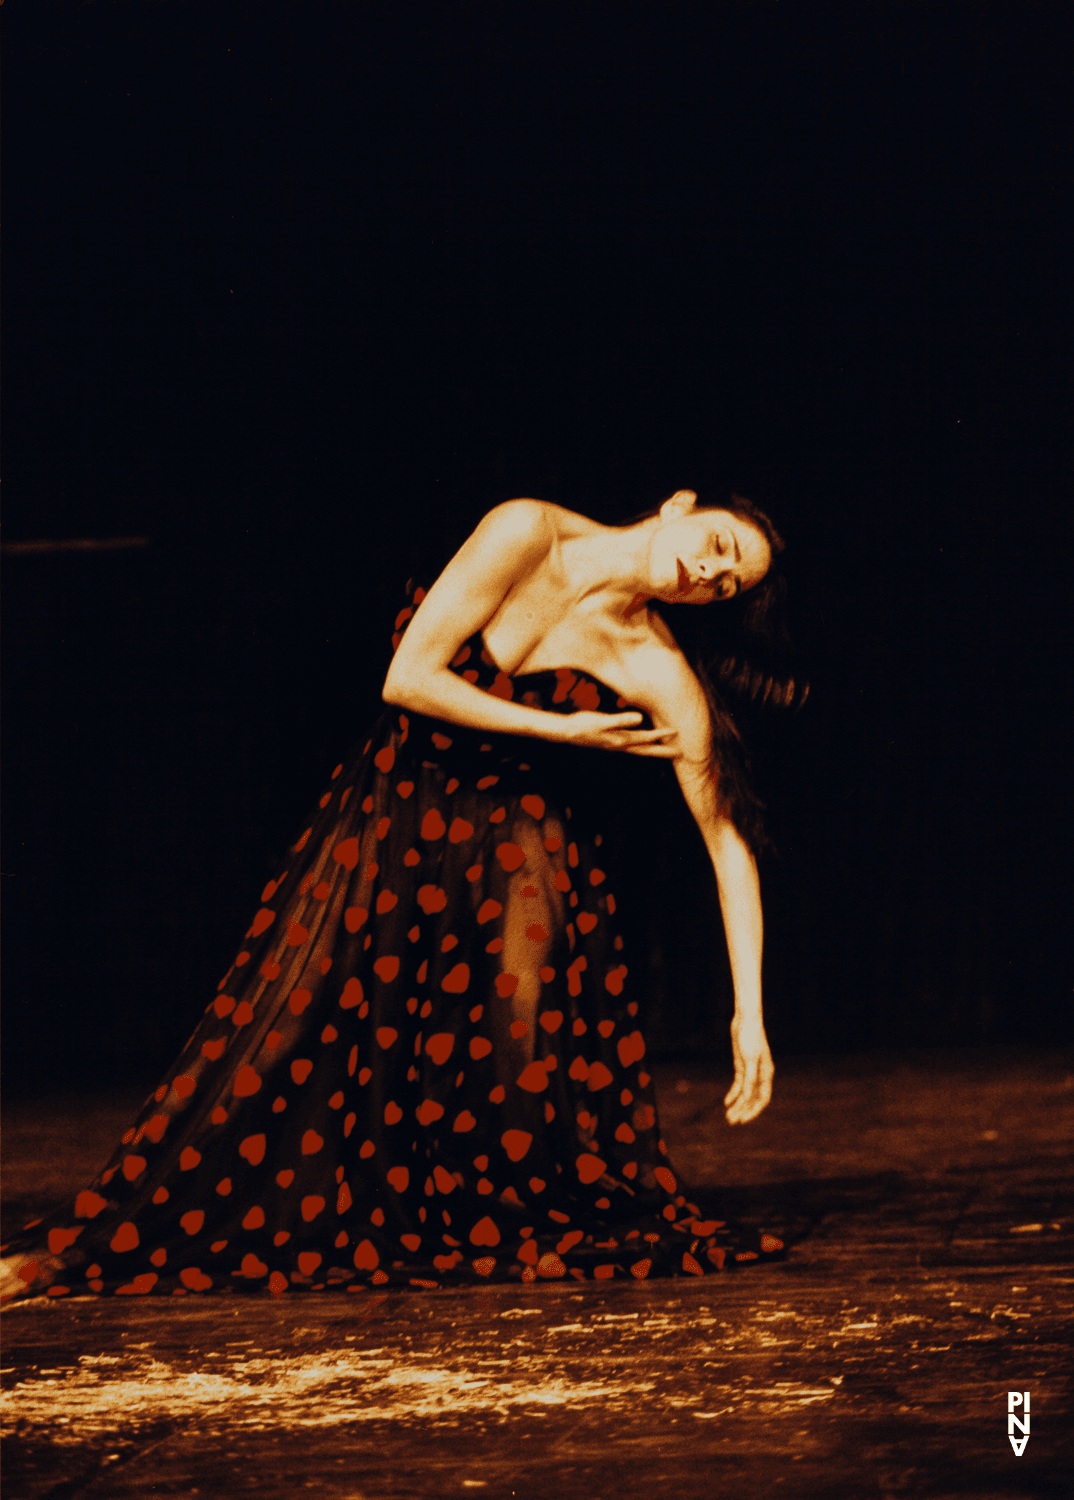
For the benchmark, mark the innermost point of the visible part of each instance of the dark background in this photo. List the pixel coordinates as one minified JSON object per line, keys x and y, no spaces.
{"x":297,"y":292}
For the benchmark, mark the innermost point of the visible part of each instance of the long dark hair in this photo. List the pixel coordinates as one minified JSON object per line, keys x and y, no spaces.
{"x":742,"y":654}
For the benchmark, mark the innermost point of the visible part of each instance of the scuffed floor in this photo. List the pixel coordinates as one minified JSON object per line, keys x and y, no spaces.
{"x":931,"y":1199}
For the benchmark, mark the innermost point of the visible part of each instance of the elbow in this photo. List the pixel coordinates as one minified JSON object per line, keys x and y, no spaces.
{"x":397,"y":691}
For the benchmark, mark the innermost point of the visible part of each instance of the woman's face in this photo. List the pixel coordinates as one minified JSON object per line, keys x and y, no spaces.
{"x":696,"y":556}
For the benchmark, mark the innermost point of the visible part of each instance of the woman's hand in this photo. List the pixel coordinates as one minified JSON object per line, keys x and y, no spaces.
{"x":618,"y":732}
{"x":752,"y":1087}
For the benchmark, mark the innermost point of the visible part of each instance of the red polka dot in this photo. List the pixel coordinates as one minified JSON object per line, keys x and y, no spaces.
{"x":590,"y":1167}
{"x":431,"y":899}
{"x":460,"y":830}
{"x":133,"y":1166}
{"x":301,"y":1069}
{"x":534,"y":1078}
{"x":213,"y":1050}
{"x":441,"y":741}
{"x":599,"y":1077}
{"x":665,"y":1178}
{"x":244,"y":1014}
{"x":537,"y":932}
{"x":392,"y":1113}
{"x":353,"y":917}
{"x":262,"y":922}
{"x":223,"y":1005}
{"x":192,"y":1222}
{"x":511,"y":857}
{"x":433,"y":825}
{"x":253,"y":1149}
{"x":487,"y":910}
{"x":516,"y":1143}
{"x":613,"y":981}
{"x":352,"y":995}
{"x":59,"y":1239}
{"x":311,"y":1142}
{"x":254,"y":1219}
{"x":311,"y":1206}
{"x":457,"y":980}
{"x":386,"y":1036}
{"x":444,"y":1180}
{"x":297,"y":935}
{"x":386,"y":969}
{"x":464,"y":1122}
{"x":484,"y":1232}
{"x":346,"y":854}
{"x":399,"y":1178}
{"x":141,"y":1286}
{"x":506,"y":985}
{"x":439,"y":1047}
{"x":87,"y":1203}
{"x":386,"y":901}
{"x":385,"y":759}
{"x":161,"y":1195}
{"x":586,"y":921}
{"x":429,"y":1111}
{"x":551,"y":1267}
{"x":366,"y":1257}
{"x":533,"y":805}
{"x":189,"y":1159}
{"x":631,"y":1049}
{"x":270,"y":970}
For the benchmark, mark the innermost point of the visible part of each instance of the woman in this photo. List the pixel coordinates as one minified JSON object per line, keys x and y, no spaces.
{"x":425,"y":1064}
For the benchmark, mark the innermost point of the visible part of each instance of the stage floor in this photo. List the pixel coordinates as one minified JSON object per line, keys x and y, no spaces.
{"x":930,"y":1197}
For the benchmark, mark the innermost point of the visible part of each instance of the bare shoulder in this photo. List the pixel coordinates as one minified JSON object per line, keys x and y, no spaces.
{"x":523,"y":523}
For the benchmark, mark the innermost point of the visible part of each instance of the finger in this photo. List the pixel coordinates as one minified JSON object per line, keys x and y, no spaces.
{"x":743,"y":1091}
{"x":622,"y":721}
{"x":756,"y":1097}
{"x":662,"y":752}
{"x":647,"y":736}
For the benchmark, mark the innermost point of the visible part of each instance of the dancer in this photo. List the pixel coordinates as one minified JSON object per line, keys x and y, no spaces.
{"x":427,"y":1062}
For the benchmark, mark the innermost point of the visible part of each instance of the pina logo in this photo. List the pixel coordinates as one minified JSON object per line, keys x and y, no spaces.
{"x":1014,"y":1400}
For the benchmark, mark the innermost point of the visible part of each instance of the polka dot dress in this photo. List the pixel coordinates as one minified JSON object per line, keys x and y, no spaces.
{"x":426,"y":1063}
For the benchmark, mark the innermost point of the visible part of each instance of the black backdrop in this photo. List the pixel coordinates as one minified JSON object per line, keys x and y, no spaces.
{"x":298,"y":291}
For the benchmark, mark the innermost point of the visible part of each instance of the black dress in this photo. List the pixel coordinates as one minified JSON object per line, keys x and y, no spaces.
{"x":427,"y":1062}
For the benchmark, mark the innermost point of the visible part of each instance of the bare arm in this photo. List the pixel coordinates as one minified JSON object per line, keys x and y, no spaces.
{"x":676,"y":699}
{"x":510,"y":542}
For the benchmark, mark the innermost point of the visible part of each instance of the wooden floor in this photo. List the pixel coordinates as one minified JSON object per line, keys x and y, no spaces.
{"x":931,"y":1197}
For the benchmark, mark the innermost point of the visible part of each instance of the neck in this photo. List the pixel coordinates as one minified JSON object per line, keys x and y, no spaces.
{"x":611,"y":564}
